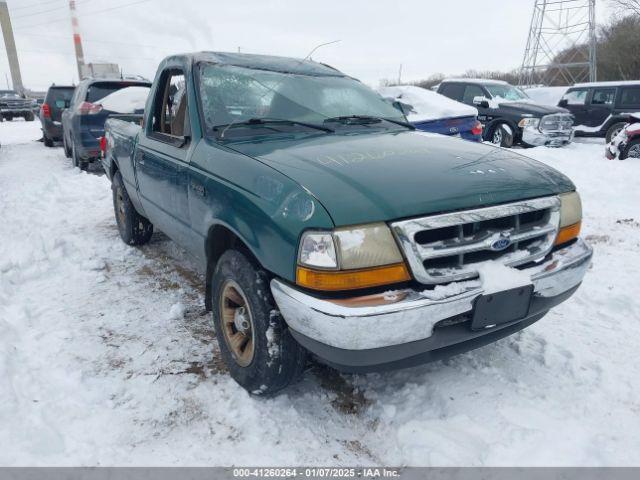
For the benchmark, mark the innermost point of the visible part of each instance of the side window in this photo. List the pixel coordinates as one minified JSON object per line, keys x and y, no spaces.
{"x":454,"y":91}
{"x":603,"y":96}
{"x":630,"y":97}
{"x":576,"y":97}
{"x":471,"y":92}
{"x":170,"y":116}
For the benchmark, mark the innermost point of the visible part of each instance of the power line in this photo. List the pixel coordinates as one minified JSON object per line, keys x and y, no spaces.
{"x":14,"y":17}
{"x":22,"y":7}
{"x":66,"y":19}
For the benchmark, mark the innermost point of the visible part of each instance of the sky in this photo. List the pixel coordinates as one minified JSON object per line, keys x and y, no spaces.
{"x":376,"y":37}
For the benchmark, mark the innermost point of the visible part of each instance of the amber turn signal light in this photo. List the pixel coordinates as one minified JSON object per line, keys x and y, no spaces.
{"x":352,"y":279}
{"x":568,"y":233}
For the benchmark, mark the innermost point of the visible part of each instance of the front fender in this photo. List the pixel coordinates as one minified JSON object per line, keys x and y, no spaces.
{"x":264,"y":208}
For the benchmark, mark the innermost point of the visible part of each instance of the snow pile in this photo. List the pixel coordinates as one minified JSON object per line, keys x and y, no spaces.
{"x":496,"y":277}
{"x":425,"y":104}
{"x":546,"y":95}
{"x":93,"y":372}
{"x":126,"y":100}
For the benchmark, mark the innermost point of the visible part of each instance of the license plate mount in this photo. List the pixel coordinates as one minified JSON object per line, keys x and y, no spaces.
{"x":501,"y":307}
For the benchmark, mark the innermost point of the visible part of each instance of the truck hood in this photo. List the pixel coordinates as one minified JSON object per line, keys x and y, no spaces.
{"x":386,"y":176}
{"x":531,"y":108}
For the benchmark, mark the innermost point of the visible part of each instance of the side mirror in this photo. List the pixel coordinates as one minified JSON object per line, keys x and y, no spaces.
{"x":402,"y":107}
{"x":563,"y":103}
{"x":481,"y":102}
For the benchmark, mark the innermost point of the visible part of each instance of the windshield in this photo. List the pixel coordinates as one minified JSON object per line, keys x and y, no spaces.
{"x":234,"y":95}
{"x":506,"y":92}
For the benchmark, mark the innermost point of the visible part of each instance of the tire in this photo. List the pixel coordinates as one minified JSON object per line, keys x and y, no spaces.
{"x":499,"y":136}
{"x":67,"y":152}
{"x":614,"y":130}
{"x":48,"y":142}
{"x":134,"y":229}
{"x":29,"y":117}
{"x":275,"y":360}
{"x":632,"y":150}
{"x":77,"y":161}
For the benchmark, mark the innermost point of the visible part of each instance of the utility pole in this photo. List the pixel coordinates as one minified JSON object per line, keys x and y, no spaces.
{"x":77,"y":41}
{"x":561,"y":47}
{"x":10,"y":45}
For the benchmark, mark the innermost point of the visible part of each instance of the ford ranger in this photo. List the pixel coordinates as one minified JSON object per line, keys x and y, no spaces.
{"x":327,"y":225}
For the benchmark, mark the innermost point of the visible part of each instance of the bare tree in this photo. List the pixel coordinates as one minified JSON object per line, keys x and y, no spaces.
{"x":626,"y":7}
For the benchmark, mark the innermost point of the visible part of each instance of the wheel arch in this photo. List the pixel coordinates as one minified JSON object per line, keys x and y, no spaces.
{"x":497,"y":121}
{"x":220,"y":238}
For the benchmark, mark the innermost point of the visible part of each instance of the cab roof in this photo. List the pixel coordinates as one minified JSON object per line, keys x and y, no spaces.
{"x":268,"y":62}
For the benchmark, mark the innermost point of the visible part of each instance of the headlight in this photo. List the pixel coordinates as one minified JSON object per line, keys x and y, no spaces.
{"x":318,"y":250}
{"x":350,"y":258}
{"x":529,"y":123}
{"x":570,"y":217}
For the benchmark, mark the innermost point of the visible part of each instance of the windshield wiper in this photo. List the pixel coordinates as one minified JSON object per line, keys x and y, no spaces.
{"x":366,"y":119}
{"x":269,"y":121}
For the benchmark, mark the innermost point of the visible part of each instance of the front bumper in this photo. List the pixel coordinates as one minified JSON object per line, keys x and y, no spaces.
{"x":536,"y":138}
{"x":407,"y":327}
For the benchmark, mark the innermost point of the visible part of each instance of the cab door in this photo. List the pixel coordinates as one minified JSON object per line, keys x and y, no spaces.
{"x":601,"y":105}
{"x":576,"y":102}
{"x":162,"y":158}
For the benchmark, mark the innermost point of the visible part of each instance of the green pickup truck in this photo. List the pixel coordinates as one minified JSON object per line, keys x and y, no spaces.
{"x":328,"y":226}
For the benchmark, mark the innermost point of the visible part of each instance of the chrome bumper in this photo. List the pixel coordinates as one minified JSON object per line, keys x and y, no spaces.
{"x":405,"y":316}
{"x":533,"y":136}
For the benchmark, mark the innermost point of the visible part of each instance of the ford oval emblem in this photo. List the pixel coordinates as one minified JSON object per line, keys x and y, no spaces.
{"x":500,"y":244}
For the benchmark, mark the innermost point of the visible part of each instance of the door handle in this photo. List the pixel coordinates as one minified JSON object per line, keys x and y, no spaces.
{"x":198,"y":188}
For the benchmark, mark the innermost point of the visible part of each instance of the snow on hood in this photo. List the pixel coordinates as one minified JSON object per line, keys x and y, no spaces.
{"x":425,"y":104}
{"x":546,"y":95}
{"x":126,"y":100}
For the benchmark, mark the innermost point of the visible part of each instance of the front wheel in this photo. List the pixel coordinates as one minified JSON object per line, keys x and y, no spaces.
{"x":134,"y":229}
{"x":255,"y":342}
{"x":614,"y":130}
{"x":632,"y":150}
{"x":501,"y":136}
{"x":29,"y":117}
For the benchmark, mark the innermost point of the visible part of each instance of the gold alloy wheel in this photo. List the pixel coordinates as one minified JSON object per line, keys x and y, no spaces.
{"x":237,"y":323}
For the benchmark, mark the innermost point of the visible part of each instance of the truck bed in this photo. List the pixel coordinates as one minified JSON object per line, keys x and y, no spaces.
{"x":121,"y":132}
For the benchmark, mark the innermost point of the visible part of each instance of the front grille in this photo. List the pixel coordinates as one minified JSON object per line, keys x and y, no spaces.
{"x":445,"y":248}
{"x":16,"y":104}
{"x":557,"y":122}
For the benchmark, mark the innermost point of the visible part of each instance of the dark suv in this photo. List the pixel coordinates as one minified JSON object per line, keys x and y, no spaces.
{"x":510,"y":117}
{"x":57,"y":99}
{"x":602,"y":109}
{"x":83,"y":121}
{"x":12,"y":105}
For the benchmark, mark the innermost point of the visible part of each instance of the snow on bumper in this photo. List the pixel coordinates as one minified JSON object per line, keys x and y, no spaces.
{"x":407,"y":316}
{"x":535,"y":137}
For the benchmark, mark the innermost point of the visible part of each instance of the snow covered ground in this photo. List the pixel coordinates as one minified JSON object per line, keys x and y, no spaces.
{"x":107,"y":358}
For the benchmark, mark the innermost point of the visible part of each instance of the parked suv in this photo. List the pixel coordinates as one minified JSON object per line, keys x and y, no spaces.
{"x":508,"y":115}
{"x":12,"y":105}
{"x":57,"y":99}
{"x":83,"y":121}
{"x":602,"y":109}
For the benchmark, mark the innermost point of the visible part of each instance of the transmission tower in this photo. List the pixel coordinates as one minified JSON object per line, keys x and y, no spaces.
{"x":561,"y":48}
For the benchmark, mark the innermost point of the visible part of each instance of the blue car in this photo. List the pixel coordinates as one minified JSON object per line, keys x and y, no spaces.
{"x":431,"y":112}
{"x":83,"y":121}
